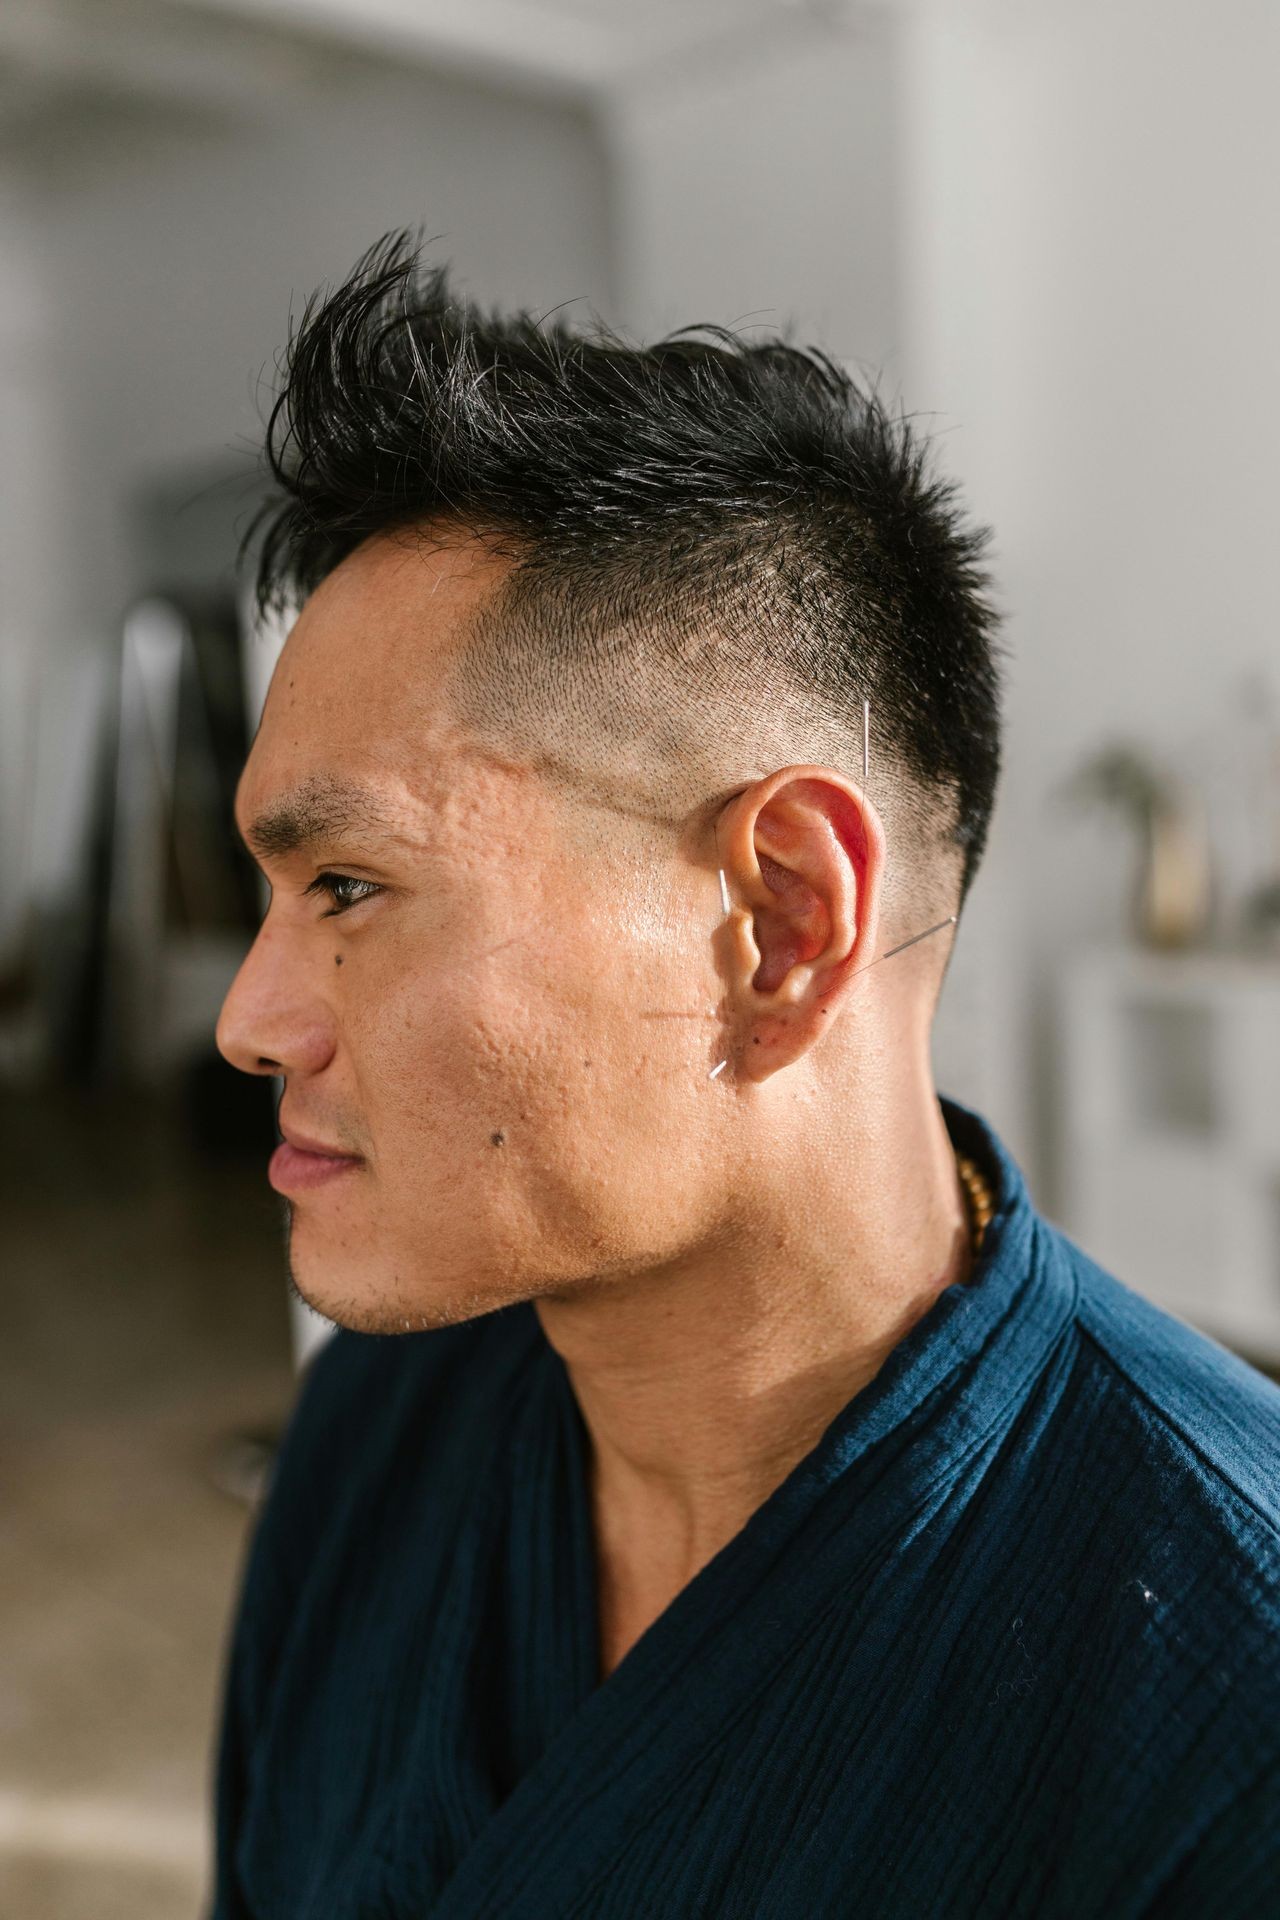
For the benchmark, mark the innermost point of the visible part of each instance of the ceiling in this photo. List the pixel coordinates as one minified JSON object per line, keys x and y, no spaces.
{"x":68,"y":68}
{"x":583,"y":46}
{"x":72,"y":63}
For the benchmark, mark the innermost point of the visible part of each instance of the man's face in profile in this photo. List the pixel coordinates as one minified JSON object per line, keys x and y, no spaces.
{"x":509,"y":1033}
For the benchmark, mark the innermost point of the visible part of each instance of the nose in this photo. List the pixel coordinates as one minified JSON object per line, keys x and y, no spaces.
{"x":271,"y":1021}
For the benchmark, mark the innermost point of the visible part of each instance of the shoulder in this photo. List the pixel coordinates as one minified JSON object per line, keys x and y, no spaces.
{"x":1196,"y":1399}
{"x":1172,"y":1443}
{"x":1148,"y":1489}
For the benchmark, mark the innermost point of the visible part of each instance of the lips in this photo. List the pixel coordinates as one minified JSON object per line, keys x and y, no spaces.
{"x":311,"y":1142}
{"x":302,"y":1162}
{"x":306,"y":1144}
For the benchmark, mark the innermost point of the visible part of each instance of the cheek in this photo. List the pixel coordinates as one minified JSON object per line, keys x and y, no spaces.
{"x":589,"y":1075}
{"x":445,"y":1055}
{"x":607,"y":1076}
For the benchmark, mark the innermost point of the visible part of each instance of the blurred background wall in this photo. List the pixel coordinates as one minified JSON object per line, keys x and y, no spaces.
{"x":1048,"y":228}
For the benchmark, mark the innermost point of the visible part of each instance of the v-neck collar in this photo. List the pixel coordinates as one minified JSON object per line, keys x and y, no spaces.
{"x":940,"y":1393}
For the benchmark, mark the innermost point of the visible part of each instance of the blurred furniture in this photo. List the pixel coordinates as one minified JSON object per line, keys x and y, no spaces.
{"x":182,"y":907}
{"x":1171,"y":1132}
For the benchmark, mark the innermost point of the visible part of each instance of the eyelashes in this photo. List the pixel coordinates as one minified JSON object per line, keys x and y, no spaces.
{"x":330,"y":883}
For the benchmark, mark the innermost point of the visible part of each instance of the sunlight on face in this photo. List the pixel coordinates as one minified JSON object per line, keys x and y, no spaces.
{"x":466,"y":1000}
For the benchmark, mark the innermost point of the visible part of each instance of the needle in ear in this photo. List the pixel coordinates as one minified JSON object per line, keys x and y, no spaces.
{"x":948,"y":922}
{"x":902,"y":946}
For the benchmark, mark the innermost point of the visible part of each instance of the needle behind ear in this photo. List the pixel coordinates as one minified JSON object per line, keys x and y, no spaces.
{"x":949,"y":921}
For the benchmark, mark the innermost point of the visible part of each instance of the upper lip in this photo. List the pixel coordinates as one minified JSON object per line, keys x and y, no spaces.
{"x":306,"y":1144}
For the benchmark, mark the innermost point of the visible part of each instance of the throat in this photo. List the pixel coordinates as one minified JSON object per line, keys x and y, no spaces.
{"x":617,"y":1637}
{"x":624,"y":1613}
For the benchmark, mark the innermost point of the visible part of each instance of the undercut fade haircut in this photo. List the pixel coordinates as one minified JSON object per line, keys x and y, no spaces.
{"x":719,"y":548}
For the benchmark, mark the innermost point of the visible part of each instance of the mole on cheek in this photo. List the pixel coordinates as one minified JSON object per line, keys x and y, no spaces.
{"x":497,"y":1138}
{"x":337,"y":959}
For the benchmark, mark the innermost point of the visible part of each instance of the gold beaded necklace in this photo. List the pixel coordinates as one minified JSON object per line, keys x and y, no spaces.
{"x":979,"y":1196}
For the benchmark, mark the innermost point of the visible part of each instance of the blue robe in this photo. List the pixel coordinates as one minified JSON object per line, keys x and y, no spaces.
{"x":1005,"y":1642}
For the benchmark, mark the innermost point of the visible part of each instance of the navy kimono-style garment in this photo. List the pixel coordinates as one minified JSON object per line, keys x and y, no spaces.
{"x":1005,"y":1642}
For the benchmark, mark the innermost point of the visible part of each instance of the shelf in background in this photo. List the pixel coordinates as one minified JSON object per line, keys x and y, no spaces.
{"x":1171,"y":1132}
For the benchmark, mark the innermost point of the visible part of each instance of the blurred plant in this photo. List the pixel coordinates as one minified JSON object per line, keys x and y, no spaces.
{"x":1119,"y":776}
{"x":1172,"y":895}
{"x":1262,"y":916}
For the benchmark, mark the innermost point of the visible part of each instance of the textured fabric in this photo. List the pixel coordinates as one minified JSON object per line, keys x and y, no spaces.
{"x":1003,"y":1643}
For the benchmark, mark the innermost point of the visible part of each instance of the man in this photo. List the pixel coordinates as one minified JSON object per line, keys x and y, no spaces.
{"x":725,"y":1493}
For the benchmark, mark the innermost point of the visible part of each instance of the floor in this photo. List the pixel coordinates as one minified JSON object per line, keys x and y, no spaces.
{"x":145,"y":1327}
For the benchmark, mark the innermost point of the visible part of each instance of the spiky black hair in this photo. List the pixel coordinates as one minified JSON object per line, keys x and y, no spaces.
{"x":719,"y":548}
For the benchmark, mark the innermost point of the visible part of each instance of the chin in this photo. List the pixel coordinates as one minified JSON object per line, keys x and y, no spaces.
{"x":374,"y":1303}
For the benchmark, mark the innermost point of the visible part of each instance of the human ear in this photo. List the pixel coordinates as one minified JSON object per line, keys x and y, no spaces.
{"x":803,"y":855}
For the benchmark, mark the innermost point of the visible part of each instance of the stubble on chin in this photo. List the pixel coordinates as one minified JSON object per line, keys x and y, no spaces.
{"x":389,"y":1312}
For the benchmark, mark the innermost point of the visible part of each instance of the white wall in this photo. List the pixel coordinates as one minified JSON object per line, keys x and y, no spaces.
{"x":33,"y":609}
{"x":1092,"y":197}
{"x":176,"y":270}
{"x":757,"y":185}
{"x":163,"y":255}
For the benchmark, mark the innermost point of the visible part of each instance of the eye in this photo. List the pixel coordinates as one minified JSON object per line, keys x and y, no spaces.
{"x":330,"y":883}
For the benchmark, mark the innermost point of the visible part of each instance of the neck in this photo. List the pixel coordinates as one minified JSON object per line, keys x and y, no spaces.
{"x":704,"y":1383}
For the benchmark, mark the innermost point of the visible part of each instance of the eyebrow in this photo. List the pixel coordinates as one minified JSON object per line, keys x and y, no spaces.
{"x":315,"y":813}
